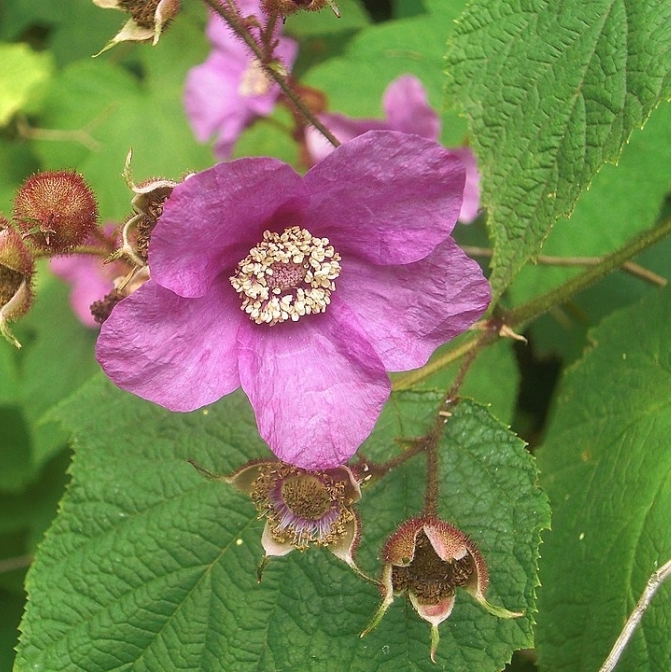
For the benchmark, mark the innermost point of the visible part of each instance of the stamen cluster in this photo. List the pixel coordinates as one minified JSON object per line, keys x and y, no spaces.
{"x":301,"y":507}
{"x":286,"y":276}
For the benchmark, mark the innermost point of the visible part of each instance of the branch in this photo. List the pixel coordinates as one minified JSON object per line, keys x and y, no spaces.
{"x":656,"y":579}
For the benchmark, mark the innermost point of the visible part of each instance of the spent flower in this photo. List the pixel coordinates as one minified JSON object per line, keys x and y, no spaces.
{"x":288,"y":7}
{"x":303,"y":508}
{"x":303,"y":290}
{"x":91,"y":280}
{"x":428,"y":559}
{"x":407,"y":110}
{"x":149,"y":19}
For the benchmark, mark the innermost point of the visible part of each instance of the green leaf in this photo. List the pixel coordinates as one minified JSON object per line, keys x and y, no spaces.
{"x":552,"y":91}
{"x":150,"y":566}
{"x":304,"y":24}
{"x":383,"y":52}
{"x":270,"y":137}
{"x":606,"y":466}
{"x":73,"y":29}
{"x":23,"y":71}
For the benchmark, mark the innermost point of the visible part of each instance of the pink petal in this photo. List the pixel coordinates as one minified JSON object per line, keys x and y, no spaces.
{"x":212,"y":220}
{"x":386,"y":197}
{"x":433,"y":613}
{"x":408,"y":311}
{"x":211,"y":99}
{"x":408,"y":109}
{"x":317,"y":386}
{"x":179,"y":353}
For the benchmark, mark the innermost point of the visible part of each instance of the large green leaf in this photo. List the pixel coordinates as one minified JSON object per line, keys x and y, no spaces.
{"x":606,"y":466}
{"x":149,"y":566}
{"x":623,"y":200}
{"x":552,"y":90}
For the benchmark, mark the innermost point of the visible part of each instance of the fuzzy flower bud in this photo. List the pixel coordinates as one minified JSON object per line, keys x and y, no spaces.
{"x":427,"y":559}
{"x":55,"y":210}
{"x":17,"y":268}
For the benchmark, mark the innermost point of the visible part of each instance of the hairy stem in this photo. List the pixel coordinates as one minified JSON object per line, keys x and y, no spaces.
{"x":520,"y":316}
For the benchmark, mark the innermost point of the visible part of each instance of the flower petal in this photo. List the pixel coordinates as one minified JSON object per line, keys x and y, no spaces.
{"x":407,"y":311}
{"x":433,"y":613}
{"x":317,"y":386}
{"x":386,"y":197}
{"x":212,"y":220}
{"x":179,"y":353}
{"x":408,"y":109}
{"x":222,"y":113}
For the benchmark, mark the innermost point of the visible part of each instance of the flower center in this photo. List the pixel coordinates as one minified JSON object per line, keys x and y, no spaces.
{"x":286,"y":276}
{"x":254,"y":81}
{"x":306,"y":496}
{"x":302,"y":507}
{"x":430,"y":578}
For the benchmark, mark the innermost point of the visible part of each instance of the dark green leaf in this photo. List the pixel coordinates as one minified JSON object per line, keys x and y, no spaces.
{"x":606,"y":466}
{"x":150,"y":566}
{"x":552,"y":91}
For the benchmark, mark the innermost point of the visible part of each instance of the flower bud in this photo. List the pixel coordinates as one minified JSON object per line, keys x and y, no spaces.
{"x":55,"y":210}
{"x":17,"y":268}
{"x":427,"y":559}
{"x":287,"y":7}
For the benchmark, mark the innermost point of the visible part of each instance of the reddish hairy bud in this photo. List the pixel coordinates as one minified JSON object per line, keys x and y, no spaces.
{"x":55,"y":210}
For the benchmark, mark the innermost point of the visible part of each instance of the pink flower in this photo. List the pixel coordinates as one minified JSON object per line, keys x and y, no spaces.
{"x":407,"y":108}
{"x":342,"y":274}
{"x":227,"y":92}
